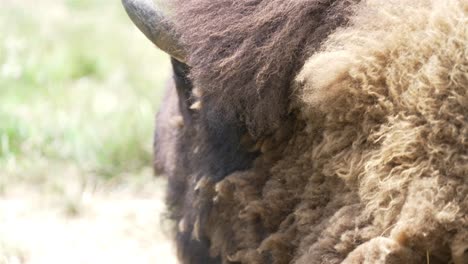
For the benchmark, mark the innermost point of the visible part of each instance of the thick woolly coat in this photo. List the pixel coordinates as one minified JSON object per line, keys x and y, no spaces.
{"x":319,"y":132}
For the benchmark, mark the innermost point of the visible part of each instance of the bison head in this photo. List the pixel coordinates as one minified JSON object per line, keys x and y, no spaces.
{"x":313,"y":131}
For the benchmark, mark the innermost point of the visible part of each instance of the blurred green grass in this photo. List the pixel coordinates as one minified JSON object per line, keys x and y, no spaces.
{"x":79,"y":85}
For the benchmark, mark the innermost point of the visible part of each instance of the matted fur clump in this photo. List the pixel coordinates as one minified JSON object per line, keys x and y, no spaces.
{"x":245,"y":54}
{"x":375,"y":169}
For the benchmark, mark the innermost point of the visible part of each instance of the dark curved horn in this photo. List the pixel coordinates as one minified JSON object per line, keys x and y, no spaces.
{"x":156,"y":28}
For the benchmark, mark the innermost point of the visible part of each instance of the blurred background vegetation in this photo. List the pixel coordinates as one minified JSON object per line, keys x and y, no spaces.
{"x":79,"y":86}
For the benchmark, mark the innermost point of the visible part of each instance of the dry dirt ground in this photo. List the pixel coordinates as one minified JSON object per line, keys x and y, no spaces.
{"x":85,"y":223}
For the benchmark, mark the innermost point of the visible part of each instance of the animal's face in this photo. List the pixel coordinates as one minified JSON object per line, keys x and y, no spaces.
{"x":198,"y":145}
{"x":193,"y":149}
{"x":234,"y":79}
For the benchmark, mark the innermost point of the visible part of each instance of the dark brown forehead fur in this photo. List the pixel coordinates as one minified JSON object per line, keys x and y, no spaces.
{"x":245,"y":53}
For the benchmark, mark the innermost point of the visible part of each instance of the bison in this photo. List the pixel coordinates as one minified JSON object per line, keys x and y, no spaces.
{"x":314,"y":131}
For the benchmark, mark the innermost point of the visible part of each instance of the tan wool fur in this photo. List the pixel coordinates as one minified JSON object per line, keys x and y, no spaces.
{"x":399,"y":75}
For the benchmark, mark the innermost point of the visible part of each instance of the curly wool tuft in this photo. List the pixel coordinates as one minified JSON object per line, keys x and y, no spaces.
{"x":400,"y":72}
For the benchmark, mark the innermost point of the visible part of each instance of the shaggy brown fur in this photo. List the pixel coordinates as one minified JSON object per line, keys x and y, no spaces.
{"x":371,"y":164}
{"x":246,"y":53}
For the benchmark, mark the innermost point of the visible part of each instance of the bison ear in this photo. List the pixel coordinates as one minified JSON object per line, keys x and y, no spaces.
{"x":151,"y":21}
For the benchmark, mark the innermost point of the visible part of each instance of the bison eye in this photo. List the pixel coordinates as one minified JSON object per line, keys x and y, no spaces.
{"x":184,"y":88}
